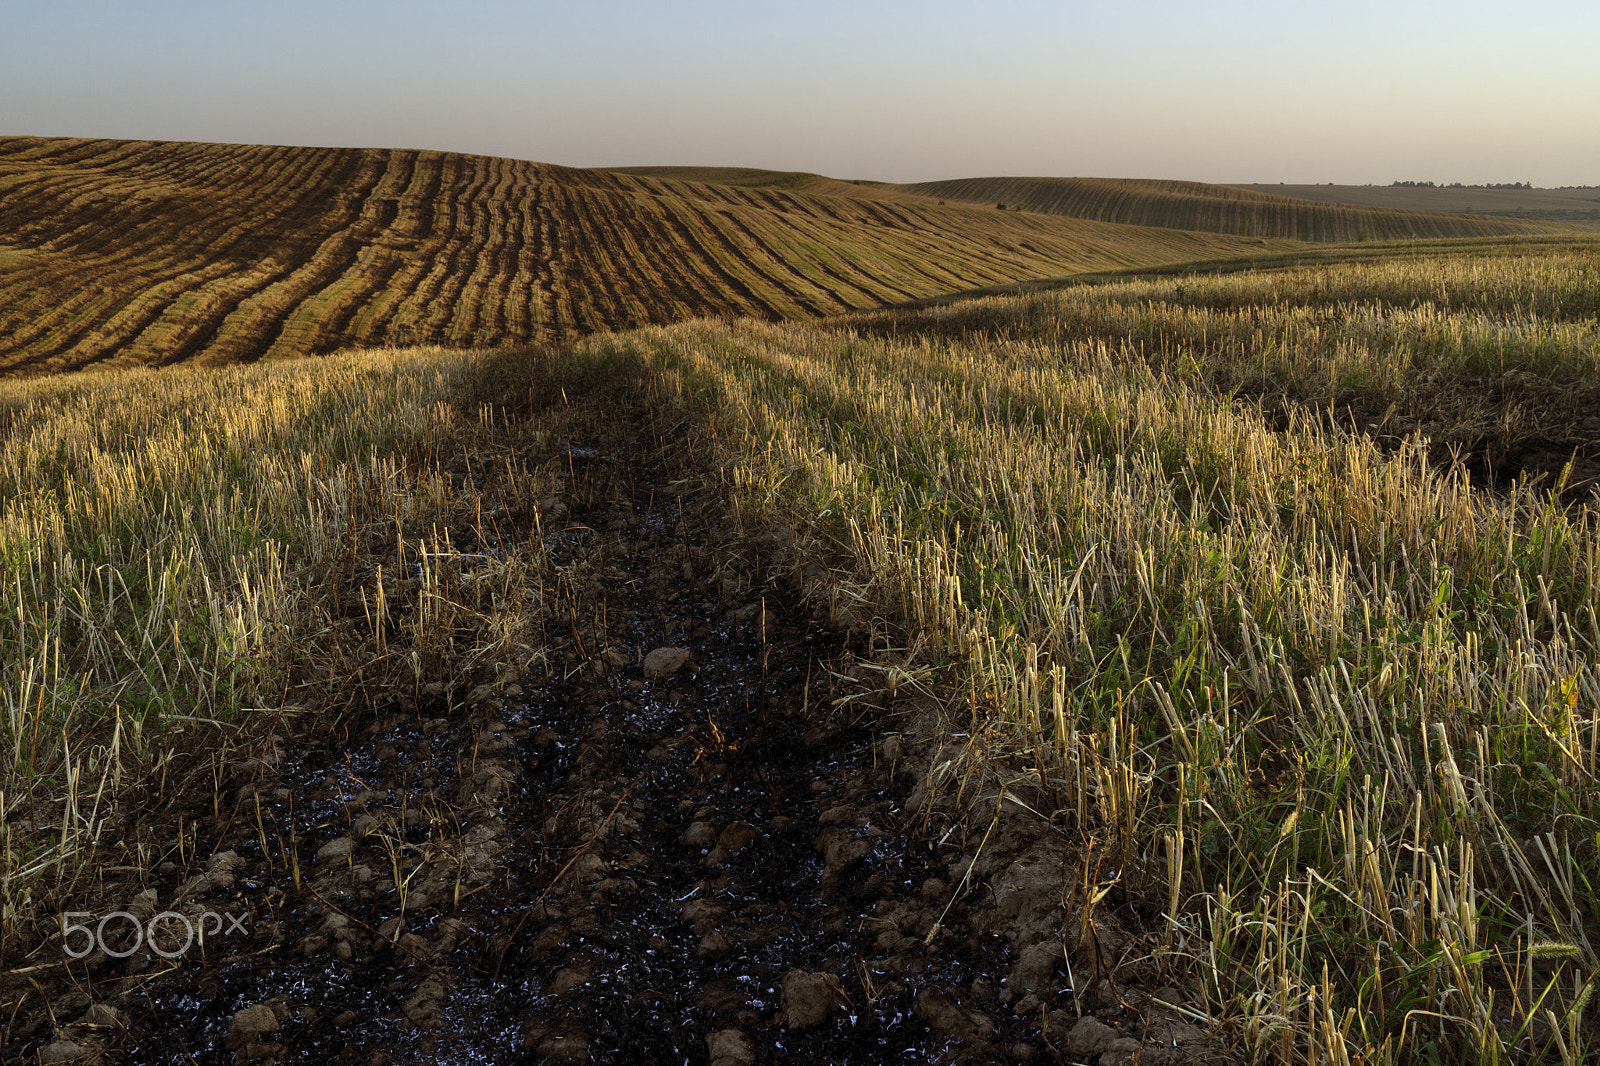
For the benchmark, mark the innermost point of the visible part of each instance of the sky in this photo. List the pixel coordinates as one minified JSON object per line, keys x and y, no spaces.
{"x":1367,"y":91}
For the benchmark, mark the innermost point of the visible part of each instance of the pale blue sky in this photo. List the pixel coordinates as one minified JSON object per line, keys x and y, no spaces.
{"x":1234,"y":90}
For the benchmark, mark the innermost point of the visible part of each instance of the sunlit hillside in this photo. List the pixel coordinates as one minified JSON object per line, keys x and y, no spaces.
{"x":128,"y":253}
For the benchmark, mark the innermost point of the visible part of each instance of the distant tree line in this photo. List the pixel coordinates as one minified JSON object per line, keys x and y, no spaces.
{"x":1458,"y":185}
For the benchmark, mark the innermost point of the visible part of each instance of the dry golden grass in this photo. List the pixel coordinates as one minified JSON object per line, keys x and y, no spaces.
{"x":192,"y":557}
{"x":1330,"y":707}
{"x":1487,"y":346}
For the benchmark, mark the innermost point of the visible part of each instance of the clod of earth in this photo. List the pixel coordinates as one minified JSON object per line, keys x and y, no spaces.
{"x":1092,"y":1037}
{"x":666,"y":662}
{"x":730,"y":1047}
{"x":62,"y":1051}
{"x":808,"y":998}
{"x":944,"y":1015}
{"x":335,"y":849}
{"x":250,"y":1024}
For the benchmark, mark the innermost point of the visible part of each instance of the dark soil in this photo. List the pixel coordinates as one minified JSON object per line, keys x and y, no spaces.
{"x":701,"y":828}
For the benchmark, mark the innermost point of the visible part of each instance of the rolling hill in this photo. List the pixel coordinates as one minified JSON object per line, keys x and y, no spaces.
{"x":118,"y":253}
{"x":1580,"y":205}
{"x":1193,"y":205}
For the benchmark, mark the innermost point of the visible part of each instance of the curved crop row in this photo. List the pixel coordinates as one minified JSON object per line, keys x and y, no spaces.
{"x":1193,"y":205}
{"x":139,"y":252}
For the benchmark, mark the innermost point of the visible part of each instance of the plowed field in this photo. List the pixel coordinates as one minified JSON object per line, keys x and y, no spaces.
{"x":1221,"y":208}
{"x":117,"y":253}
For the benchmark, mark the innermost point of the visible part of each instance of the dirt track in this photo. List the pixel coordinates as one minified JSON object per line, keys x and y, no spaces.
{"x":731,"y":853}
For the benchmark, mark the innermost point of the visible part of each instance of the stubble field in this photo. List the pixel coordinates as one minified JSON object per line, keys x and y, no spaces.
{"x":1199,"y":665}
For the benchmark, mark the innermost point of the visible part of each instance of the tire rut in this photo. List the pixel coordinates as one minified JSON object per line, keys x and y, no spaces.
{"x":672,"y":839}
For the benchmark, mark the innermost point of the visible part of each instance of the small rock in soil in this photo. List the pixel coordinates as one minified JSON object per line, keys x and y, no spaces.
{"x":703,"y":914}
{"x":62,"y":1051}
{"x":144,"y":904}
{"x":730,"y":1047}
{"x":665,"y":662}
{"x":1091,"y":1037}
{"x":249,"y":1024}
{"x":333,"y":850}
{"x":840,"y":850}
{"x":589,"y":869}
{"x":944,"y":1015}
{"x":700,"y":835}
{"x":735,"y":838}
{"x":566,"y":980}
{"x":104,"y":1014}
{"x":714,"y":943}
{"x":422,"y":1008}
{"x":808,"y":999}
